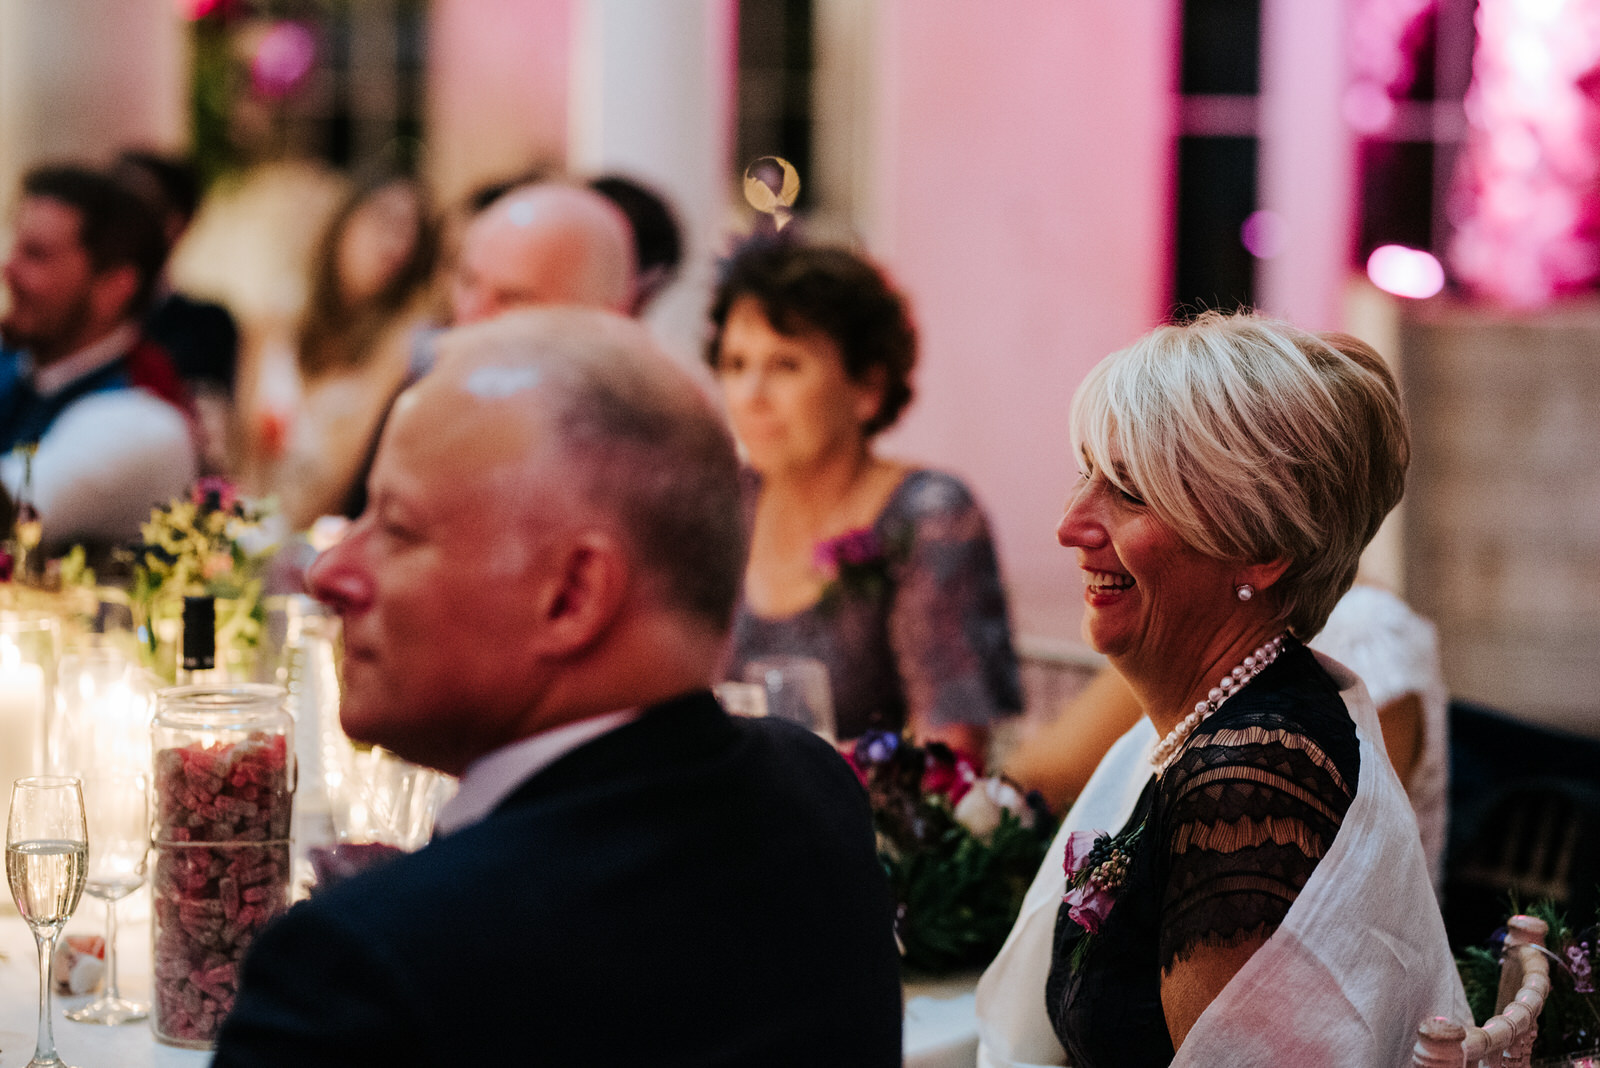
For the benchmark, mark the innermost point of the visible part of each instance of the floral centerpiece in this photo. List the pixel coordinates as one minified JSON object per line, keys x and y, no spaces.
{"x":209,"y":544}
{"x":960,"y":850}
{"x":1570,"y":1022}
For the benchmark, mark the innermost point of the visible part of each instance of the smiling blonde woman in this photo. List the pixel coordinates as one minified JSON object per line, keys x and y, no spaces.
{"x":1241,"y":882}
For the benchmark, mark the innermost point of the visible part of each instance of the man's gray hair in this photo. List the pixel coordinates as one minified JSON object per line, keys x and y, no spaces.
{"x":637,"y":440}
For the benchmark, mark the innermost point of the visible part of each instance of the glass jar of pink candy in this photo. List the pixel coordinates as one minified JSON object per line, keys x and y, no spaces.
{"x":224,"y":786}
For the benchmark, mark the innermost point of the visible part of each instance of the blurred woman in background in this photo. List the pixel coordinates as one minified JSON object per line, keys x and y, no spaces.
{"x":882,"y":570}
{"x":368,"y":291}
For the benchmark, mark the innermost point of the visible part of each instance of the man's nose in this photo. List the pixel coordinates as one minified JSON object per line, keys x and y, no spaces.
{"x":336,"y":577}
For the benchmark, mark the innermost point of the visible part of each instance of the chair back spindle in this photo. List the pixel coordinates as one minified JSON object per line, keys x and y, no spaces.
{"x":1506,"y":1039}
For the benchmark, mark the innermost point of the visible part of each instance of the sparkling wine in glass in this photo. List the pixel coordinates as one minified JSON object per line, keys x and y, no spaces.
{"x":47,"y":853}
{"x":117,"y":804}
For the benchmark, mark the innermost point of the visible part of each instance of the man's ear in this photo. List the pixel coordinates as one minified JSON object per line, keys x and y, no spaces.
{"x":582,"y":593}
{"x":111,"y":292}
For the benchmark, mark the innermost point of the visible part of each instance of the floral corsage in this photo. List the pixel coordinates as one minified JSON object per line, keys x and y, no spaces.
{"x":855,"y":563}
{"x":1096,"y":865}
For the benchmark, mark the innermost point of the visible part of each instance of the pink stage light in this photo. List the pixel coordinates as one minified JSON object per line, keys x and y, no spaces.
{"x":1264,"y":234}
{"x":1405,"y":272}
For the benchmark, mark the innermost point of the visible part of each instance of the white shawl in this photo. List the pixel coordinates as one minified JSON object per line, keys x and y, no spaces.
{"x":1359,"y":961}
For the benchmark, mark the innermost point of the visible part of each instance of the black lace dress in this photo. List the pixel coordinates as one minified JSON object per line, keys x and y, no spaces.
{"x":1232,"y":832}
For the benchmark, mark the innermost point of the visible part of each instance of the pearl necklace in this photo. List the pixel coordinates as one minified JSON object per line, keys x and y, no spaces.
{"x":1166,"y":751}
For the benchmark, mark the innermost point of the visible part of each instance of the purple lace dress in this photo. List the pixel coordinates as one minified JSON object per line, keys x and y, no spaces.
{"x":916,"y":619}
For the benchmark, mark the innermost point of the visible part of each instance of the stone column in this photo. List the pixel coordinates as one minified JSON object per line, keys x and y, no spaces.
{"x":652,"y":97}
{"x":497,"y":89}
{"x":1306,"y":172}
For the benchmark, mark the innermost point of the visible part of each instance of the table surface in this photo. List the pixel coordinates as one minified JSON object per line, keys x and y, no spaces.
{"x":940,"y":1029}
{"x":83,"y":1045}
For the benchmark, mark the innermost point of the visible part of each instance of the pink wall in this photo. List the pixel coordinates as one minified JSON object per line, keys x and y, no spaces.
{"x":497,"y":88}
{"x":1022,"y":200}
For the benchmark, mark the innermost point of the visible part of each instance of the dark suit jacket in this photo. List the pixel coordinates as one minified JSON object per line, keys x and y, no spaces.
{"x":202,"y":338}
{"x":690,"y":889}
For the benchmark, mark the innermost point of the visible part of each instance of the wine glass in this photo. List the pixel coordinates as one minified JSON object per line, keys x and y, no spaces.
{"x":47,"y":847}
{"x":797,"y":690}
{"x":117,"y":804}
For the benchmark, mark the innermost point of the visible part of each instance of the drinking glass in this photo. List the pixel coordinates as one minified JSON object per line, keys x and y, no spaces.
{"x":797,"y":690}
{"x":103,"y":707}
{"x":742,"y":698}
{"x":117,"y":804}
{"x":47,"y":846}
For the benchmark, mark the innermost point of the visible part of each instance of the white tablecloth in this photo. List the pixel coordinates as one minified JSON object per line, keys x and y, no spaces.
{"x":940,"y":1025}
{"x":83,"y":1045}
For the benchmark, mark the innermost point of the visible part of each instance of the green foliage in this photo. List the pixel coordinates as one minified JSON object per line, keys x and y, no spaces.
{"x":1570,"y":1022}
{"x":959,"y":894}
{"x":194,"y":548}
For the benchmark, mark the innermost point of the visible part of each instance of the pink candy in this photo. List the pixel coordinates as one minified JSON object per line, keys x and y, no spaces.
{"x":222,"y":872}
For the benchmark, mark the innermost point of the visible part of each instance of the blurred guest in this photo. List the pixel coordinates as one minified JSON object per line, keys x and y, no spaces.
{"x":882,"y":570}
{"x":540,"y":244}
{"x":536,"y":600}
{"x":368,"y":291}
{"x":200,"y":336}
{"x":78,"y":378}
{"x":657,"y":238}
{"x":1241,"y":882}
{"x":549,"y":243}
{"x":1370,"y":631}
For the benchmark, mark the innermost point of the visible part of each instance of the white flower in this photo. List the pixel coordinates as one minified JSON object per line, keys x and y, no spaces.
{"x":1010,"y":798}
{"x":979,"y":811}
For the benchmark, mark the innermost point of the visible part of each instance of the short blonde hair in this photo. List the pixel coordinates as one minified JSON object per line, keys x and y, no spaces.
{"x":1254,"y":440}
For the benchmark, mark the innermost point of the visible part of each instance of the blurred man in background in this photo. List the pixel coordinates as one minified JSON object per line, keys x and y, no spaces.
{"x":79,"y":380}
{"x":200,"y":336}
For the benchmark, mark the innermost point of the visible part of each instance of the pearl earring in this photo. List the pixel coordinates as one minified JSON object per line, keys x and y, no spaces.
{"x":1245,"y":591}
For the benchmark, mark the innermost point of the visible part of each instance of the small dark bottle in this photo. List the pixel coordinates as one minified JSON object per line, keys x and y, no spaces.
{"x":198,"y":664}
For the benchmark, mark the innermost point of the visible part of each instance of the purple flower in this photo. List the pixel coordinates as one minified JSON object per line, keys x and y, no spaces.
{"x":1088,"y":905}
{"x":1097,"y":866}
{"x":214,"y":494}
{"x":876,"y":747}
{"x":854,"y":548}
{"x":1582,"y":971}
{"x":1079,"y":845}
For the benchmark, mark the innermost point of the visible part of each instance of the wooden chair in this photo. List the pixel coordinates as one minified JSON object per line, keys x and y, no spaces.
{"x":1506,"y":1039}
{"x":1524,"y":821}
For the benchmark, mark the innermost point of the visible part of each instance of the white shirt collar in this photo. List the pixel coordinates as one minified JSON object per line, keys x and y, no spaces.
{"x":491,"y":779}
{"x":90,"y":358}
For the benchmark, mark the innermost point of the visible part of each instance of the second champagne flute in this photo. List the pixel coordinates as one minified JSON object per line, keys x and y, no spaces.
{"x":117,"y":804}
{"x":47,"y":847}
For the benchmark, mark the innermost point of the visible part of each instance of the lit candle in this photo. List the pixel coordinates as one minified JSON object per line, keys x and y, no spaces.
{"x":22,"y":705}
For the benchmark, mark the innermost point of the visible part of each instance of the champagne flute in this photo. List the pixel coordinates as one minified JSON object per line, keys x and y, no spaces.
{"x":117,"y":804}
{"x":47,"y":847}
